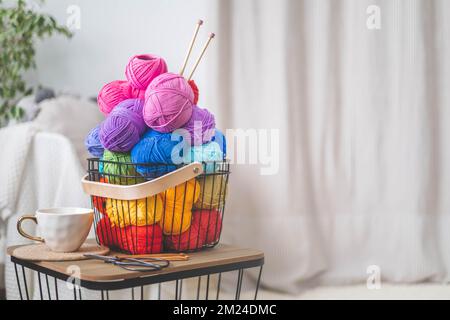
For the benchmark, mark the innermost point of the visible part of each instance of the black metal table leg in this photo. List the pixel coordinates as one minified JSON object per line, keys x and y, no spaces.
{"x":18,"y":281}
{"x":40,"y":286}
{"x":239,"y":284}
{"x":258,"y":282}
{"x":56,"y":289}
{"x":48,"y":287}
{"x":218,"y":286}
{"x":25,"y":282}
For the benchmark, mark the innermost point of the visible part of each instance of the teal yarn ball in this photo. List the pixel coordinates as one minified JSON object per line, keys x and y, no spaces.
{"x":219,"y":137}
{"x":209,"y":154}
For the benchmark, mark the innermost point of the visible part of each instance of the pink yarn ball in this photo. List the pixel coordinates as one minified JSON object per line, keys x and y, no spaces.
{"x":114,"y":93}
{"x":142,"y":69}
{"x":169,"y":100}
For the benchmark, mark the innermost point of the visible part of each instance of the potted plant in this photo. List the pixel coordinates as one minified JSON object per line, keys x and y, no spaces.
{"x":20,"y":27}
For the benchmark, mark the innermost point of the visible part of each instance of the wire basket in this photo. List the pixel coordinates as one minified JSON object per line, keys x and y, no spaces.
{"x":163,"y":208}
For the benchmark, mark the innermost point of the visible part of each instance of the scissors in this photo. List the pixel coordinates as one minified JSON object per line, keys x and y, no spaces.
{"x":133,"y":264}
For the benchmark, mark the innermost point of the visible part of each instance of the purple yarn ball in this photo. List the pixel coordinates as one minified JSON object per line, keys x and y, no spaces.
{"x":200,"y":126}
{"x":93,"y":144}
{"x":123,"y":127}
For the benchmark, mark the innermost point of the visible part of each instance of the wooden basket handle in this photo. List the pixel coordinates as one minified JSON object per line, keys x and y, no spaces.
{"x":142,"y":190}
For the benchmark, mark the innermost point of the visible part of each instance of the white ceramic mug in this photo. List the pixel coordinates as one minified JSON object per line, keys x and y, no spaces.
{"x":62,"y":229}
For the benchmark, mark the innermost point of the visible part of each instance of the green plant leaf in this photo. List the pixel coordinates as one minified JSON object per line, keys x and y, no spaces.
{"x":19,"y":28}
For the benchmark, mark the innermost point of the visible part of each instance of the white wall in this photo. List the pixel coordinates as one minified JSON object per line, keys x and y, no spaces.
{"x":112,"y":31}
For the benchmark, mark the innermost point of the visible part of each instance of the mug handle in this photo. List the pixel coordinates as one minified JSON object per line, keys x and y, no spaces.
{"x":23,"y":233}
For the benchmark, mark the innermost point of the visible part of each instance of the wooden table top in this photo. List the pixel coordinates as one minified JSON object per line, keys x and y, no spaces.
{"x":95,"y":270}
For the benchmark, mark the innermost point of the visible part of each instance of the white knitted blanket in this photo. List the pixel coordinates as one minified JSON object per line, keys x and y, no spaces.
{"x":15,"y":144}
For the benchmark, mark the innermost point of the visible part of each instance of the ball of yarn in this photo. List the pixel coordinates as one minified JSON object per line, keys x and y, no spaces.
{"x":140,"y":212}
{"x":141,"y":240}
{"x":169,"y":102}
{"x":178,"y":205}
{"x":93,"y":144}
{"x":99,"y":203}
{"x":118,"y":169}
{"x":219,"y":137}
{"x":210,"y":225}
{"x":192,"y":239}
{"x":201,"y":126}
{"x":195,"y":90}
{"x":114,"y":93}
{"x":213,"y":192}
{"x":153,"y":154}
{"x":142,"y":69}
{"x":123,"y":127}
{"x":209,"y":154}
{"x":132,"y":239}
{"x":105,"y":234}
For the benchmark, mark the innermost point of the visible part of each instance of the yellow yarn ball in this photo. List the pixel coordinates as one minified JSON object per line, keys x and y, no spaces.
{"x":139,"y":213}
{"x":178,"y":207}
{"x":213,"y":192}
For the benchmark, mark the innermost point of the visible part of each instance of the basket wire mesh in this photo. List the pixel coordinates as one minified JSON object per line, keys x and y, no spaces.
{"x":185,"y":218}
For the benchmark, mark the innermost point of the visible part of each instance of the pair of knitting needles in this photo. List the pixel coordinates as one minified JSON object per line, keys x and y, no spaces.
{"x":191,"y":45}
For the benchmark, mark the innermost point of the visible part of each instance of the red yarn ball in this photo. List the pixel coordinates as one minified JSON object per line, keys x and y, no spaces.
{"x":142,"y":69}
{"x":135,"y":240}
{"x":192,"y":239}
{"x":211,"y":225}
{"x":105,"y":234}
{"x":100,"y":202}
{"x":114,"y":93}
{"x":195,"y":90}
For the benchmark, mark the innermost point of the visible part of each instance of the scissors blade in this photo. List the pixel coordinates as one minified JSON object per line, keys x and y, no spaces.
{"x":142,"y":265}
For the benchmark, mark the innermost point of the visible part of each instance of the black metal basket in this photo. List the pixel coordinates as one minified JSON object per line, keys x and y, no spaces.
{"x":145,"y":209}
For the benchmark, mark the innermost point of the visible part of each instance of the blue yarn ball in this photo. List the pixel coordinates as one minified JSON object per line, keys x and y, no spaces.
{"x":153,"y":154}
{"x":93,"y":144}
{"x":221,"y":140}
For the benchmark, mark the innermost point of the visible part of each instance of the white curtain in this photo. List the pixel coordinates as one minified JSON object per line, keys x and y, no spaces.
{"x":364,"y":120}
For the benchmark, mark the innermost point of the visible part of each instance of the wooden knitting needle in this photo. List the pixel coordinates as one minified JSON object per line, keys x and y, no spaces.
{"x":211,"y":36}
{"x":191,"y":45}
{"x":164,"y":256}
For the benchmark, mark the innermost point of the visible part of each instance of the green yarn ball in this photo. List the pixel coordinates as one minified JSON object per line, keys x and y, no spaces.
{"x":122,"y":171}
